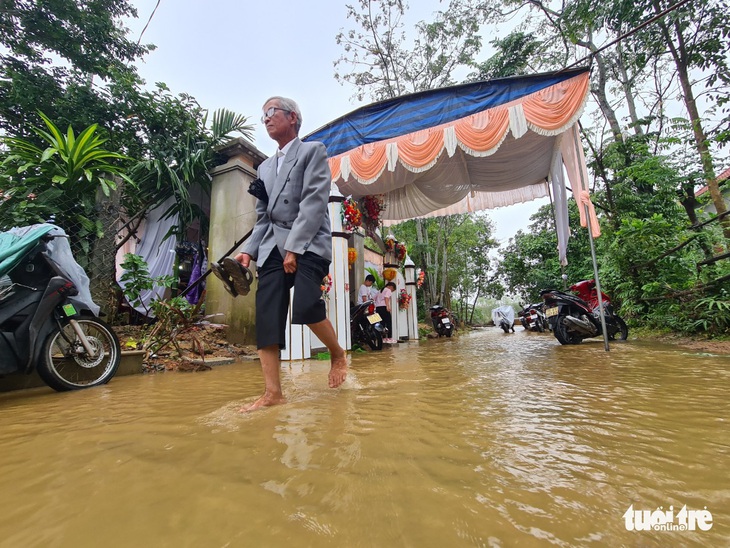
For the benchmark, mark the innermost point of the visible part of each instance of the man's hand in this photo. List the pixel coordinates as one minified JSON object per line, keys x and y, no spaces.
{"x":290,"y":262}
{"x":244,"y":259}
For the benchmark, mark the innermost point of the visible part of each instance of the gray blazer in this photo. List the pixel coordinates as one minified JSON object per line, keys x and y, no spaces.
{"x":297,"y":217}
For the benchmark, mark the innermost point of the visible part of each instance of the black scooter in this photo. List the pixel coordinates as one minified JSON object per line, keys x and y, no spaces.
{"x":441,"y":319}
{"x":44,"y":327}
{"x":572,"y":319}
{"x":533,"y":318}
{"x":366,"y":326}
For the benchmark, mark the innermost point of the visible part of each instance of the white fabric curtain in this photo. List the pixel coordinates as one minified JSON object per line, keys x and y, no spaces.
{"x":158,"y":254}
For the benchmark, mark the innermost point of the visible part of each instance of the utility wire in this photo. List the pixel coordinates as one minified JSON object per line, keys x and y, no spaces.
{"x":148,"y":21}
{"x":629,"y":33}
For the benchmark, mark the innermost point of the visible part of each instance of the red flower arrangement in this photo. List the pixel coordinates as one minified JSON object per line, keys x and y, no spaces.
{"x":421,"y":278}
{"x":351,"y":216}
{"x":372,"y":207}
{"x":398,"y":249}
{"x":404,"y":299}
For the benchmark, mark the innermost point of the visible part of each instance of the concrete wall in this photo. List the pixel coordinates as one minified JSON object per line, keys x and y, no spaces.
{"x":232,"y":215}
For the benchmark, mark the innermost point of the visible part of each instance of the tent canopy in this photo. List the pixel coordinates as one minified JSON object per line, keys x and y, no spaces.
{"x":464,"y":148}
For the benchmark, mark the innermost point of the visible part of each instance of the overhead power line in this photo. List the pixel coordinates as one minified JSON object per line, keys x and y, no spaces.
{"x":148,"y":21}
{"x":629,"y":33}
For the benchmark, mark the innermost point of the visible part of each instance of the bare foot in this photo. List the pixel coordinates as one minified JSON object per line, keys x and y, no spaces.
{"x":267,"y":400}
{"x":338,"y":371}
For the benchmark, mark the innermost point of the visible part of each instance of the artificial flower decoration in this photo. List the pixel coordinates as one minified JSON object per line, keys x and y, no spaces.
{"x":351,"y":255}
{"x":326,"y":286}
{"x":351,"y":216}
{"x":420,"y":279}
{"x":400,"y":252}
{"x":389,"y":243}
{"x":372,"y":207}
{"x":404,"y":299}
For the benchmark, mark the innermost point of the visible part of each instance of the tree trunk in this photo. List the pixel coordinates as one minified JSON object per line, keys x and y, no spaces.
{"x":102,"y":262}
{"x":679,"y":54}
{"x":627,"y":87}
{"x":599,"y":90}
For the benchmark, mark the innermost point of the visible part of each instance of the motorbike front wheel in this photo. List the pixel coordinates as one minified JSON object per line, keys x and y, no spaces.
{"x":563,"y":335}
{"x":622,"y":332}
{"x":64,"y":363}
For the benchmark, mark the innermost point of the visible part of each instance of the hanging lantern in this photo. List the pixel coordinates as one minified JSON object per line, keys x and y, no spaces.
{"x":351,"y":255}
{"x":390,"y":274}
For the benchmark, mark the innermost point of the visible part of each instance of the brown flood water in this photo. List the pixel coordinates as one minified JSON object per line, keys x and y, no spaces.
{"x":485,"y":439}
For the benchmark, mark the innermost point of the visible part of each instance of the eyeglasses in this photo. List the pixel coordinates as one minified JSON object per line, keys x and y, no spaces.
{"x":269,"y":112}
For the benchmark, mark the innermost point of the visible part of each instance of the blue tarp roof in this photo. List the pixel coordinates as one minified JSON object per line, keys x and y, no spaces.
{"x":395,"y":117}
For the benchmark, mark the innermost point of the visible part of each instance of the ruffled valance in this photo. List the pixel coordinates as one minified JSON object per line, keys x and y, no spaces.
{"x":547,"y":112}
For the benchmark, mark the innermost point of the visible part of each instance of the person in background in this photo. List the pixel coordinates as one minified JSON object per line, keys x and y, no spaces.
{"x":382,"y":306}
{"x":292,"y":244}
{"x":367,"y":293}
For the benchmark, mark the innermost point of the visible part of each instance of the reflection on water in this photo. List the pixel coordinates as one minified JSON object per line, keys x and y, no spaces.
{"x":486,"y":439}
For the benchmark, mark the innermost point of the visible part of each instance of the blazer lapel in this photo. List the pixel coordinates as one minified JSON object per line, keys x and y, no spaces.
{"x":270,"y":177}
{"x":283,"y":176}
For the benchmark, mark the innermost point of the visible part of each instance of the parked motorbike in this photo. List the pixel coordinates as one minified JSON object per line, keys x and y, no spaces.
{"x":441,"y":319}
{"x":44,"y":324}
{"x":533,"y":318}
{"x":366,"y":325}
{"x":573,"y":319}
{"x":504,"y":318}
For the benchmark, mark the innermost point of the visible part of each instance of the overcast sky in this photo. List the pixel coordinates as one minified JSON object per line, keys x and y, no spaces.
{"x":235,"y":54}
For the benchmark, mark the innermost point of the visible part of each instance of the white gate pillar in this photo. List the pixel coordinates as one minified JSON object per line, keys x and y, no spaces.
{"x":298,"y":337}
{"x":412,"y":312}
{"x":338,"y":303}
{"x":400,"y":328}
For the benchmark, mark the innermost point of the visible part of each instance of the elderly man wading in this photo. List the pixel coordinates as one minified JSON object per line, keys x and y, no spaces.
{"x":292,"y":245}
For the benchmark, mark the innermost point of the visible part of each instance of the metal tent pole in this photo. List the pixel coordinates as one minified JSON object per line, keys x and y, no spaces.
{"x":584,"y":186}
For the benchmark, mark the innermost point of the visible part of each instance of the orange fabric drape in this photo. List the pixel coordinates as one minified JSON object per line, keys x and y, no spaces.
{"x":483,"y":131}
{"x":367,"y":161}
{"x":585,"y":200}
{"x":549,"y":109}
{"x":335,"y":167}
{"x":421,"y":148}
{"x":553,"y":107}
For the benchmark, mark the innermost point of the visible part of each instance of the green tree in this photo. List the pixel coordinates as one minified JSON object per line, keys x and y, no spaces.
{"x":59,"y":56}
{"x":470,"y":267}
{"x":381,"y":61}
{"x":516,"y":54}
{"x":530,"y":260}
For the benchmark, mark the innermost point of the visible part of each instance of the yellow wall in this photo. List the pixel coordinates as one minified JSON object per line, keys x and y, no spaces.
{"x":232,"y":215}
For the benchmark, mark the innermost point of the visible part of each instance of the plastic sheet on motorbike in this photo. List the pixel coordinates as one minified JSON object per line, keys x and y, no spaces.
{"x":506,"y":312}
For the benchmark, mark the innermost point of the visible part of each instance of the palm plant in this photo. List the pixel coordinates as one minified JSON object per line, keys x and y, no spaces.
{"x":379,"y":280}
{"x":179,"y":167}
{"x":58,"y":182}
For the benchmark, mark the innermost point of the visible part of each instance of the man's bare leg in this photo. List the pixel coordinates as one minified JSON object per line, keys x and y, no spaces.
{"x":338,"y":369}
{"x":270,"y":365}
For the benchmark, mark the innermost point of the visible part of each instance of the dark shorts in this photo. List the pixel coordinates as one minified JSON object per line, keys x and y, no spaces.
{"x":272,"y":296}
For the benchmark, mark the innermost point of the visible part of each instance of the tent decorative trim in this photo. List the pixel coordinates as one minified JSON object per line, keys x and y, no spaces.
{"x":549,"y":111}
